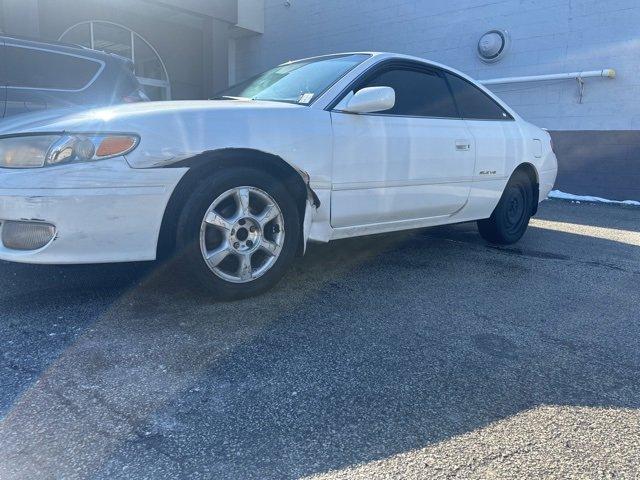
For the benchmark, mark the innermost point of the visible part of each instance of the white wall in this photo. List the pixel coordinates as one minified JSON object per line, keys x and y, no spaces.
{"x":548,"y":36}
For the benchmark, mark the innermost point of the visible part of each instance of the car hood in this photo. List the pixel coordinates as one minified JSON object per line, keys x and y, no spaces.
{"x":121,"y":116}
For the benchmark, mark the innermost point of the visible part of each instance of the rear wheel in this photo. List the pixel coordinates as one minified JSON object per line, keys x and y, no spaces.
{"x":510,"y":219}
{"x":238,"y":233}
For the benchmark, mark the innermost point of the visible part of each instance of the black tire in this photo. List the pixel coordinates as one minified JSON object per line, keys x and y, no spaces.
{"x":510,"y":219}
{"x":190,"y":256}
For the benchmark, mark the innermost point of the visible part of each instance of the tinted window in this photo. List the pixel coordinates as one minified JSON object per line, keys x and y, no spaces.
{"x":26,"y":67}
{"x":418,"y":93}
{"x":474,"y":103}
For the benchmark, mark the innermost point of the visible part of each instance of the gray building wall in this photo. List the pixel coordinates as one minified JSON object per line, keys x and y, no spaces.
{"x":548,"y":36}
{"x":20,"y":17}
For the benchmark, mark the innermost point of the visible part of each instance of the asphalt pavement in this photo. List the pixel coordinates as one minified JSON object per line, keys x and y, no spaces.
{"x":426,"y":354}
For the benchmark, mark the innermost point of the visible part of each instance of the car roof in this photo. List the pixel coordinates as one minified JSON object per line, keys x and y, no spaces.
{"x":388,"y":55}
{"x":382,"y":55}
{"x":30,"y":40}
{"x":64,"y":48}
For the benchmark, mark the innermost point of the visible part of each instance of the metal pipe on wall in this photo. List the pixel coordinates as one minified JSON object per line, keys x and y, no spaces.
{"x":605,"y":73}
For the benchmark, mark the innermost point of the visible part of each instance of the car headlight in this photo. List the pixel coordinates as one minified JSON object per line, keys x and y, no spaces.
{"x":35,"y":151}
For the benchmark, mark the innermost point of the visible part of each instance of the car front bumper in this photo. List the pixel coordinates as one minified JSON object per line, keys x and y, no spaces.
{"x":102,"y":211}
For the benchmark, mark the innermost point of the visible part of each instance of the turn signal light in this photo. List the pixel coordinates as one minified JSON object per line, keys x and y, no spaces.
{"x":112,"y":146}
{"x":18,"y":235}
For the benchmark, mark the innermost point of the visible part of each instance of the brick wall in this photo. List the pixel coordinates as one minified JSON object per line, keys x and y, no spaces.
{"x":548,"y":36}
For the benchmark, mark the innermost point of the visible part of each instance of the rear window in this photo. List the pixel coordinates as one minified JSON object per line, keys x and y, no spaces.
{"x":42,"y":69}
{"x":473,"y":103}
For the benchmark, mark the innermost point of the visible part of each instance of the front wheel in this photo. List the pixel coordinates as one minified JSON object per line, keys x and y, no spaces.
{"x":238,"y":233}
{"x":510,"y":219}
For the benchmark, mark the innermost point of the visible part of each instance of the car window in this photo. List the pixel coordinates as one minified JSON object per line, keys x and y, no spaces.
{"x":296,"y":82}
{"x":420,"y":93}
{"x":473,"y":103}
{"x":27,"y":67}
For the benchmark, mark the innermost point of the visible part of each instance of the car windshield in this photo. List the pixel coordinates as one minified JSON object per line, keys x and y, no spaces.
{"x":295,"y":82}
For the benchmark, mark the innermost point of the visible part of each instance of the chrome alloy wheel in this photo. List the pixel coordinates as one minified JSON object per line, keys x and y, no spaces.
{"x":242,"y":234}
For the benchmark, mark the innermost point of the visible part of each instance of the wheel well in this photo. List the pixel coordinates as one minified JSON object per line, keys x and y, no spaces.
{"x":532,"y":173}
{"x":203,"y":165}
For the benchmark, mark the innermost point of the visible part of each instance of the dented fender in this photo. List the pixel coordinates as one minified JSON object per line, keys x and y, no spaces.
{"x":312,"y":206}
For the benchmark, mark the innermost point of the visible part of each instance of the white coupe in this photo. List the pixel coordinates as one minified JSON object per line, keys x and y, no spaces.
{"x":318,"y":149}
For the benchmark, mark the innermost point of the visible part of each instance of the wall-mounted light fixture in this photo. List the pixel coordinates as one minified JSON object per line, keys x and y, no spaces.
{"x":493,"y":45}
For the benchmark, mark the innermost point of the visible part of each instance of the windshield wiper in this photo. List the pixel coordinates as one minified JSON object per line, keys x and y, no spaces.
{"x":228,"y":97}
{"x":277,"y":100}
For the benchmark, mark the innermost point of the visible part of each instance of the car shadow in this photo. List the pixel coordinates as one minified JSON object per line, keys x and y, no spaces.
{"x":369,"y":348}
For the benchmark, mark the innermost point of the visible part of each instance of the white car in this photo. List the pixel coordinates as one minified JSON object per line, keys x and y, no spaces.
{"x":317,"y":149}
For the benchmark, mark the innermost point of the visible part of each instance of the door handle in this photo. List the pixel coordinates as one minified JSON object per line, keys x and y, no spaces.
{"x":463,"y":145}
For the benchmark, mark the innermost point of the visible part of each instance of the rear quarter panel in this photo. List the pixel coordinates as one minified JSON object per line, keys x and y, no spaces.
{"x":525,"y":143}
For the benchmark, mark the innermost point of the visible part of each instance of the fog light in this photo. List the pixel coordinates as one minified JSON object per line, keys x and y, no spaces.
{"x":26,"y":235}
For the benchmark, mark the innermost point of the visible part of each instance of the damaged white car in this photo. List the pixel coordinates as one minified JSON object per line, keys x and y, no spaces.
{"x":318,"y":149}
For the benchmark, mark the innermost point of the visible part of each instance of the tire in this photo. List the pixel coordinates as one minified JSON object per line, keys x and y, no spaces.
{"x":510,"y":219}
{"x":226,"y":220}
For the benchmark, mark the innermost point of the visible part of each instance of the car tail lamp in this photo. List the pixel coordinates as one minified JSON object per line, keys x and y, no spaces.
{"x":34,"y":151}
{"x":26,"y":235}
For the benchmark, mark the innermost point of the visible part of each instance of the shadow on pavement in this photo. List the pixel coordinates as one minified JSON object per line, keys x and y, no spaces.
{"x":369,"y":348}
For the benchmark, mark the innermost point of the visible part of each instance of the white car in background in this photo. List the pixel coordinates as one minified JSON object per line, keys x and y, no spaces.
{"x":318,"y":149}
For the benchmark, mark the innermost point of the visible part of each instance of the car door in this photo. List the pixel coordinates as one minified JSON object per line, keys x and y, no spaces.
{"x":415,"y":161}
{"x":497,"y":136}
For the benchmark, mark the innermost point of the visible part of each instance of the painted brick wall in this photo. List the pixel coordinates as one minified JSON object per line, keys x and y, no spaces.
{"x":549,"y":36}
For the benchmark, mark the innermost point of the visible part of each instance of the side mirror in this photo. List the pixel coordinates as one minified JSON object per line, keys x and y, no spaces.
{"x":369,"y":100}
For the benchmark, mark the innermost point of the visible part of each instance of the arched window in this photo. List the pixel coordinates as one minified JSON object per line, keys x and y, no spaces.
{"x":113,"y":38}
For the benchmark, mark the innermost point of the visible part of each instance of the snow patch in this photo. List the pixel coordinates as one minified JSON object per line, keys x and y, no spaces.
{"x":586,"y":198}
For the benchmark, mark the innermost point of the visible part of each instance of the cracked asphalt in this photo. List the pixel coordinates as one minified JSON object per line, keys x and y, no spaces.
{"x":425,"y":354}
